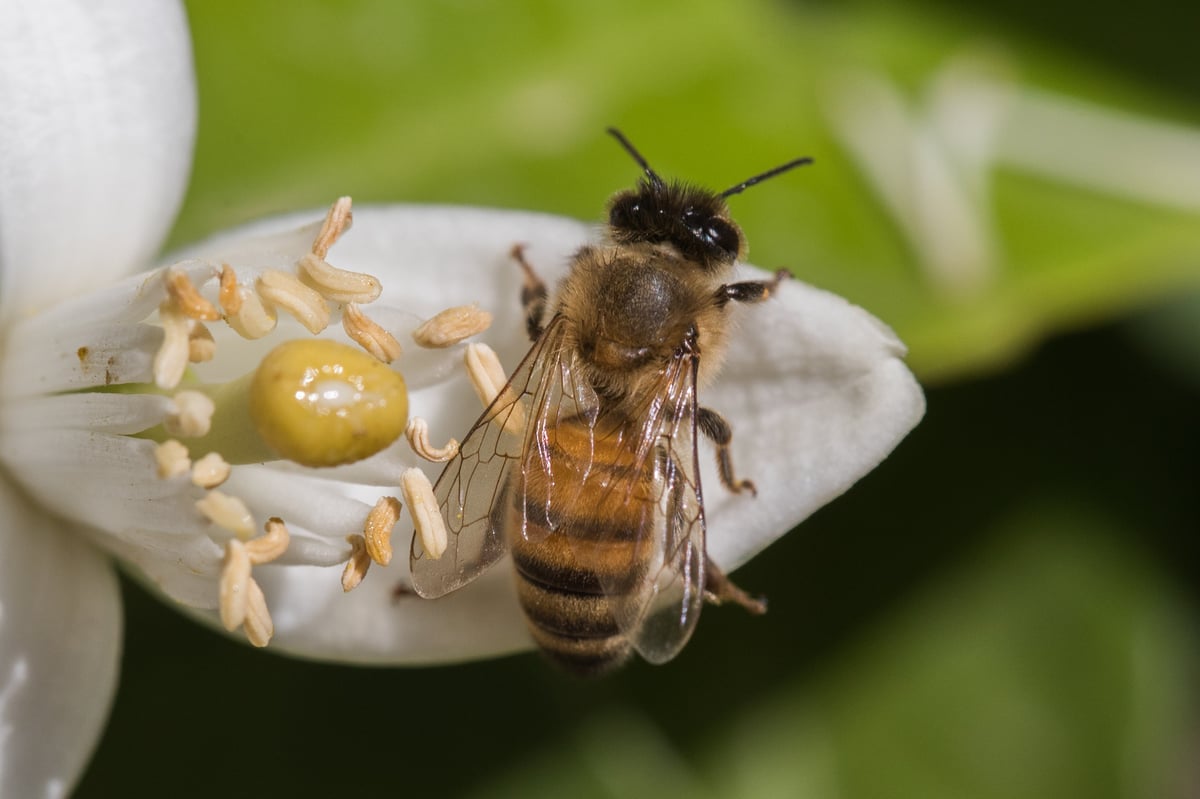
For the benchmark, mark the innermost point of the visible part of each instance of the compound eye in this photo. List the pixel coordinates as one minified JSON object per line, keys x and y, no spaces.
{"x":724,"y":236}
{"x":716,"y":233}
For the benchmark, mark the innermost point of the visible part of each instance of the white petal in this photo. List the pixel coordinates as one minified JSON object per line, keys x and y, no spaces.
{"x":814,"y":388}
{"x":60,"y":639}
{"x":96,"y":130}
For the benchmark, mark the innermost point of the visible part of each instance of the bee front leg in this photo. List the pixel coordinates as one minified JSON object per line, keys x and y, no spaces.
{"x":713,"y":425}
{"x":719,"y":589}
{"x":751,"y":290}
{"x":533,"y":294}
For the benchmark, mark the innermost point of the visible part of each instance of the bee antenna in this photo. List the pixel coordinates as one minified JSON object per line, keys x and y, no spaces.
{"x":770,"y":173}
{"x":629,"y":148}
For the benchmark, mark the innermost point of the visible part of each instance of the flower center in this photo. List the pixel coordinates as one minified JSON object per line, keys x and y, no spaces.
{"x":202,"y":483}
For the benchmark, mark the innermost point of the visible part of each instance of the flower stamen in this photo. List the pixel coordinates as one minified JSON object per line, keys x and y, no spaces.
{"x":173,"y":354}
{"x":289,"y":293}
{"x":417,"y":434}
{"x":452,"y":326}
{"x":369,"y":334}
{"x":201,"y":345}
{"x":227,"y":512}
{"x":183,"y":295}
{"x":357,"y":564}
{"x":229,"y":295}
{"x":337,"y":221}
{"x":210,"y":471}
{"x":190,"y":416}
{"x":377,"y":530}
{"x":489,"y":379}
{"x":338,"y":285}
{"x":172,"y":459}
{"x":271,"y":544}
{"x":426,"y":516}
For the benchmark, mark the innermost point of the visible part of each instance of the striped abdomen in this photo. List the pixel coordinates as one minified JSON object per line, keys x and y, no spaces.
{"x":583,"y":548}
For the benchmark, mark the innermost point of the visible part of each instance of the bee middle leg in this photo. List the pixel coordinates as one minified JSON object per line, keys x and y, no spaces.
{"x":533,"y":294}
{"x":719,"y":590}
{"x":713,"y":425}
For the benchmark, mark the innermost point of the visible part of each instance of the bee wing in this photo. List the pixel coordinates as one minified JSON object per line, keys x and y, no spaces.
{"x":472,"y":490}
{"x":660,"y":615}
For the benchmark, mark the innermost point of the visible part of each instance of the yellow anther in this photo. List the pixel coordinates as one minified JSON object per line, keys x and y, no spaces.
{"x":253,"y":318}
{"x":357,"y":564}
{"x":227,"y":512}
{"x":377,"y":531}
{"x":172,"y":459}
{"x":231,"y":588}
{"x":426,"y":516}
{"x":258,"y":625}
{"x":338,"y":285}
{"x":337,"y":221}
{"x":183,"y":294}
{"x":271,"y":544}
{"x":210,"y":471}
{"x":201,"y":346}
{"x":369,"y":335}
{"x":417,"y":434}
{"x":172,"y":357}
{"x":190,"y":415}
{"x":287,"y":292}
{"x":489,"y":380}
{"x":452,"y":326}
{"x":230,"y":296}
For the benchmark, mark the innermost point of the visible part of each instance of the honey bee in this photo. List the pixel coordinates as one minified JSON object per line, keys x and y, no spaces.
{"x":584,"y":468}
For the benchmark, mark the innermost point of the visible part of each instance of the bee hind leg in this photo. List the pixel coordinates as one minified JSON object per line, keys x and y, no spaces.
{"x":713,"y":425}
{"x":533,"y":294}
{"x":720,"y":590}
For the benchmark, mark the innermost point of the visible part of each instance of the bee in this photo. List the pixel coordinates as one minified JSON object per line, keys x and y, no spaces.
{"x":584,"y":468}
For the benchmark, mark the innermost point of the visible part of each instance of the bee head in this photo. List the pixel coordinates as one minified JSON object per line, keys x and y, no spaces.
{"x":695,"y":221}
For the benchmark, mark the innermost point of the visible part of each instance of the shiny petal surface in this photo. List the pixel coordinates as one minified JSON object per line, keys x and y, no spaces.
{"x":60,"y":641}
{"x":96,"y":131}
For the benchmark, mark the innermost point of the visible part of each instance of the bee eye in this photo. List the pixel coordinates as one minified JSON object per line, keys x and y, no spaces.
{"x":715,"y":232}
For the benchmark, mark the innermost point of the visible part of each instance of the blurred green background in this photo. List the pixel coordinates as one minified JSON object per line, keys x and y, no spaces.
{"x":1006,"y":608}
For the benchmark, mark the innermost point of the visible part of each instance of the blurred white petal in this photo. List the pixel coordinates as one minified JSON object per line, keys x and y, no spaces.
{"x":60,"y":638}
{"x":96,"y":130}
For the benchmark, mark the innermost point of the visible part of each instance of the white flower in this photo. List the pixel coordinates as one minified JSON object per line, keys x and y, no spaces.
{"x":97,"y":124}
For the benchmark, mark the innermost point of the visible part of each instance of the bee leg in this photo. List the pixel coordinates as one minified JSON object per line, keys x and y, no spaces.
{"x":533,"y":294}
{"x":750,"y":290}
{"x":713,"y":425}
{"x":719,"y":589}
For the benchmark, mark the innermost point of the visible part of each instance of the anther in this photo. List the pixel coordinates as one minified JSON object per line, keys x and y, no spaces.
{"x":369,"y":335}
{"x":172,"y":357}
{"x":210,"y":471}
{"x":452,"y":326}
{"x":426,"y":516}
{"x":190,"y":415}
{"x":184,"y":295}
{"x":231,"y":589}
{"x":271,"y":544}
{"x":258,"y":625}
{"x":227,"y":512}
{"x":417,"y":434}
{"x":338,"y":285}
{"x":172,"y":459}
{"x":253,"y":318}
{"x":377,"y":531}
{"x":230,"y":296}
{"x":357,"y":564}
{"x":201,"y":346}
{"x":287,"y":292}
{"x":337,"y":221}
{"x":489,"y":380}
